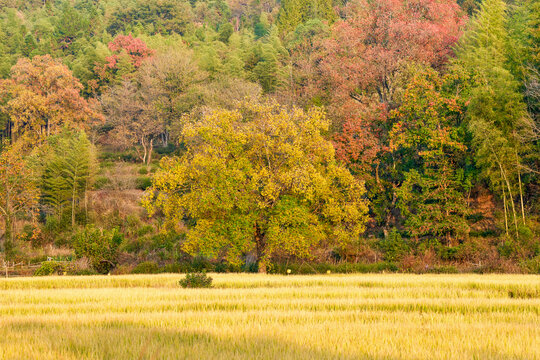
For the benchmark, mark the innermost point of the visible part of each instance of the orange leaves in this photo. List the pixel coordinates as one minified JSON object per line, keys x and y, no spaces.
{"x":41,"y":97}
{"x":18,"y":192}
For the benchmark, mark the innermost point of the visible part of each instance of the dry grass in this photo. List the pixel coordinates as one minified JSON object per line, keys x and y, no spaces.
{"x":272,"y":317}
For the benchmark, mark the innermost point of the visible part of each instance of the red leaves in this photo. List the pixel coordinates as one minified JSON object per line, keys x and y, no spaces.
{"x":377,"y":37}
{"x":135,"y":48}
{"x":128,"y":54}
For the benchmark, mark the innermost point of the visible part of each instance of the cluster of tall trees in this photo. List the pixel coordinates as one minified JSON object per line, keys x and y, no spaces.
{"x":365,"y":118}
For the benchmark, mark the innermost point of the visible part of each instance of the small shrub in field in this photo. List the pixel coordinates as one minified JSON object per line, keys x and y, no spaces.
{"x":196,"y":280}
{"x":49,"y":268}
{"x":147,"y":267}
{"x":143,"y":170}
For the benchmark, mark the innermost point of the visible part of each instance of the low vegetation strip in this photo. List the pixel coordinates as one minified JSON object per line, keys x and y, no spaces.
{"x":252,"y":316}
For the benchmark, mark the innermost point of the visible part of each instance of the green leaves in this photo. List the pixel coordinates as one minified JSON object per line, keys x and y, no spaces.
{"x":68,"y":171}
{"x":99,"y":246}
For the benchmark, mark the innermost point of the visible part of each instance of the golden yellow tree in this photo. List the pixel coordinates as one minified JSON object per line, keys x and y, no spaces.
{"x":260,"y":179}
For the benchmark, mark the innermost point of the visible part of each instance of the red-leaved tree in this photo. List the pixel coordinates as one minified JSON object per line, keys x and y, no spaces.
{"x":128,"y":54}
{"x":365,"y":58}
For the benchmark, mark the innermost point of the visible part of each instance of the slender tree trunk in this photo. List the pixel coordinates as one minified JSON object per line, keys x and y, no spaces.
{"x":150,"y":149}
{"x":7,"y":234}
{"x":73,"y":194}
{"x":520,"y":190}
{"x":260,"y":249}
{"x":505,"y":215}
{"x":73,"y":208}
{"x":143,"y":143}
{"x":86,"y":202}
{"x":510,"y":196}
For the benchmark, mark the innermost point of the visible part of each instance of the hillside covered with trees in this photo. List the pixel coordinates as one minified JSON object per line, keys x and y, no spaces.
{"x":262,"y":135}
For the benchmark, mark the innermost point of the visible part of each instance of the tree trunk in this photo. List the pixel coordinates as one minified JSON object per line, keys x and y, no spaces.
{"x":143,"y":143}
{"x":505,"y":214}
{"x":73,"y":208}
{"x":150,"y":148}
{"x":73,"y":194}
{"x":86,"y":202}
{"x":511,"y":197}
{"x":260,"y":249}
{"x":520,"y":190}
{"x":8,"y":234}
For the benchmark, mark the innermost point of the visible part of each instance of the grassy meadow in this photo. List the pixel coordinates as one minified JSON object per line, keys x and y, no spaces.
{"x":253,"y":316}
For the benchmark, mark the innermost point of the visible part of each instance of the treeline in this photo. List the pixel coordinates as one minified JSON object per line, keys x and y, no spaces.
{"x":272,"y":132}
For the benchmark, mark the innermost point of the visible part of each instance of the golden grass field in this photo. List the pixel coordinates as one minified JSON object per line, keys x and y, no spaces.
{"x":255,"y":316}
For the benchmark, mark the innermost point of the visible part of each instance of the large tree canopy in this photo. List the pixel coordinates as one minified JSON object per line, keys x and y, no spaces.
{"x":42,"y":97}
{"x":260,"y":179}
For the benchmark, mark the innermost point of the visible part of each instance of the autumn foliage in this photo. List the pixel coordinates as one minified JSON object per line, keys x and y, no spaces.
{"x":42,"y":97}
{"x":260,"y":179}
{"x":135,"y":48}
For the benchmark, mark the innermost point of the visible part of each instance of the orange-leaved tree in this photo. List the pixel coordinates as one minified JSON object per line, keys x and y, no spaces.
{"x":18,"y":192}
{"x":40,"y":98}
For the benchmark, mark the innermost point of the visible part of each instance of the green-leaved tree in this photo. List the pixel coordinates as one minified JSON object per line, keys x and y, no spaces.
{"x":496,"y":112}
{"x":68,"y":172}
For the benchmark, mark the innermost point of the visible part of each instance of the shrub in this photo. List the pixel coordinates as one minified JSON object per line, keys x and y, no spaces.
{"x":147,"y":267}
{"x":196,"y":280}
{"x":143,"y":182}
{"x":145,"y":230}
{"x":393,"y":247}
{"x":48,"y":268}
{"x":83,"y":272}
{"x":200,"y":263}
{"x":221,"y":267}
{"x":532,"y":266}
{"x":143,"y":170}
{"x":101,"y":182}
{"x":99,"y":246}
{"x":508,"y":249}
{"x":173,"y":268}
{"x":339,"y":268}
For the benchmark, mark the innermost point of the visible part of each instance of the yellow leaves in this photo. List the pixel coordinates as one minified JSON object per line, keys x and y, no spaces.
{"x":263,"y":167}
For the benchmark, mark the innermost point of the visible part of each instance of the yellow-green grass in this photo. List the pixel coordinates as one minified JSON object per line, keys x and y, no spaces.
{"x":272,"y":317}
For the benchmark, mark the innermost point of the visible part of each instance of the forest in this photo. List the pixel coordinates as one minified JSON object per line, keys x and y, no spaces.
{"x":304,"y":136}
